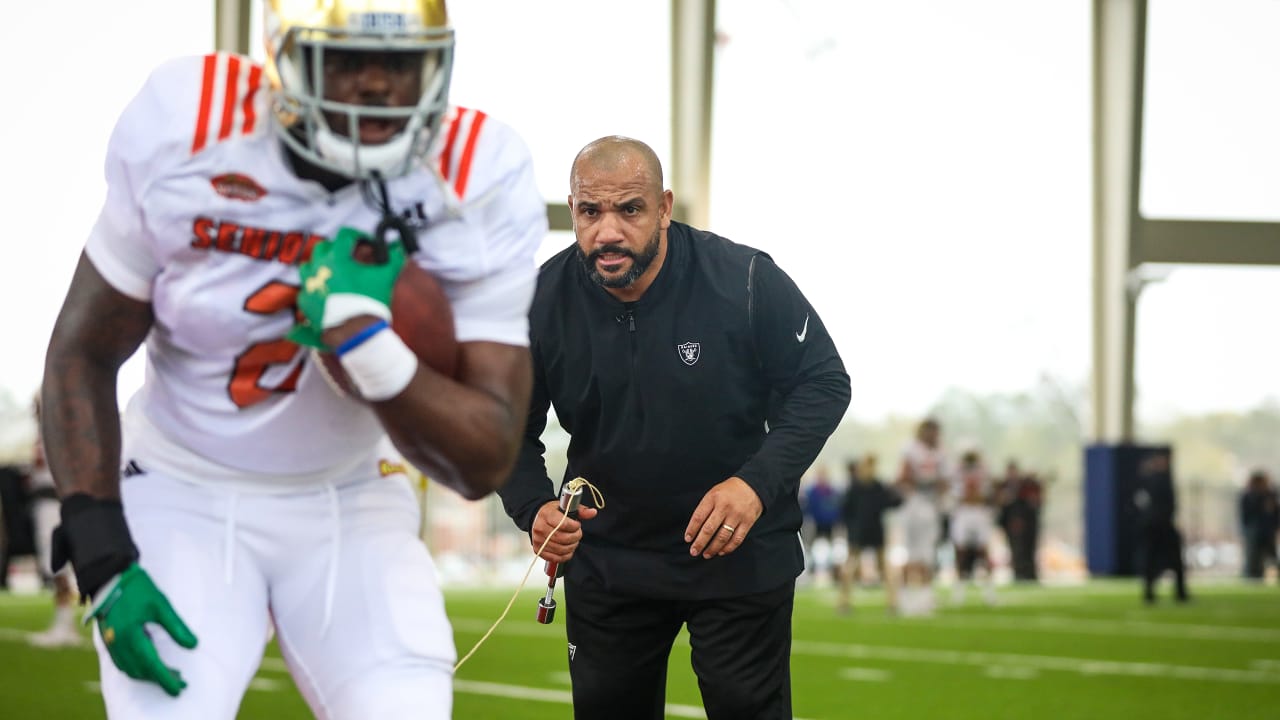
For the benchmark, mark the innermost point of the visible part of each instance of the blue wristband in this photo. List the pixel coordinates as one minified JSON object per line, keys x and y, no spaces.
{"x":354,"y":341}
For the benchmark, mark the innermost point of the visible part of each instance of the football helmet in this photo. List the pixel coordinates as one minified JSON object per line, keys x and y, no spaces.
{"x":300,"y":32}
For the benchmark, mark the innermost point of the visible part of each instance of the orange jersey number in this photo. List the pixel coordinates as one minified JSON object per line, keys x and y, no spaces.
{"x":246,"y":386}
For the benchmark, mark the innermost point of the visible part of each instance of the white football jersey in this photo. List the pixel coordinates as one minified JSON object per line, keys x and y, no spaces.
{"x":929,"y":469}
{"x":972,"y":486}
{"x":205,"y":219}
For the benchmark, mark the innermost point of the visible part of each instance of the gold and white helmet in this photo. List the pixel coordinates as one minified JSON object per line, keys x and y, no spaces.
{"x":300,"y":32}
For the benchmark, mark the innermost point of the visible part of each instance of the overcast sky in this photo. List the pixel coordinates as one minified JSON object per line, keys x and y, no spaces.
{"x":922,"y":169}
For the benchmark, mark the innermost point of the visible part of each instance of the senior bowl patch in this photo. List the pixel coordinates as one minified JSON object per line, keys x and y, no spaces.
{"x":238,"y":187}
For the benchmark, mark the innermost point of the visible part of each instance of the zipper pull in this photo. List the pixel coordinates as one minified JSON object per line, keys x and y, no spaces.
{"x":631,"y":321}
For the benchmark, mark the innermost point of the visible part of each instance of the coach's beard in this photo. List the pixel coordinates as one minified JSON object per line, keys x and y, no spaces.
{"x":639,"y":263}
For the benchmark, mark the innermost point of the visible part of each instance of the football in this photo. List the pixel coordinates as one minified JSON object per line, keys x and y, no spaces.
{"x":420,"y":315}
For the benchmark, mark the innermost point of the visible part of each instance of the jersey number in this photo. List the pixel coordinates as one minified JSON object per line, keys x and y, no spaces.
{"x":246,"y":386}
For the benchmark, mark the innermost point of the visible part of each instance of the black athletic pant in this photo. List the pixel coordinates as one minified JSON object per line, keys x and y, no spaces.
{"x":1161,"y":549}
{"x":619,"y":648}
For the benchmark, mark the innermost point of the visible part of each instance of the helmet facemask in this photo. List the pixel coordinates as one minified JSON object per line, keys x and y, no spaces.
{"x":305,"y":112}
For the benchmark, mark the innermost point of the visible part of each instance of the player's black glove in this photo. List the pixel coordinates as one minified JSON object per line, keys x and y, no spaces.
{"x":94,"y":537}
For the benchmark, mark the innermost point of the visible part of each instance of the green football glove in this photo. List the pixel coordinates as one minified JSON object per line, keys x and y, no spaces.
{"x":336,"y":287}
{"x":123,"y":610}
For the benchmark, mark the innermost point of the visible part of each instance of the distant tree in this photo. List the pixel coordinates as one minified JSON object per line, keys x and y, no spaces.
{"x":1040,"y":428}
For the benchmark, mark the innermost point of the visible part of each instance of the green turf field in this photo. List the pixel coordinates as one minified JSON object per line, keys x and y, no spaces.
{"x":1087,"y":652}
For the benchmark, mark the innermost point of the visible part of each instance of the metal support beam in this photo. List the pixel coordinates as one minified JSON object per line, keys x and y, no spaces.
{"x":693,"y":36}
{"x":231,"y":25}
{"x":1217,"y":242}
{"x":1119,"y":49}
{"x":1125,"y":244}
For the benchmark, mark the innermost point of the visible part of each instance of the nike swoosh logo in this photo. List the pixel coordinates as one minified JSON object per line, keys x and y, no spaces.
{"x":804,"y":330}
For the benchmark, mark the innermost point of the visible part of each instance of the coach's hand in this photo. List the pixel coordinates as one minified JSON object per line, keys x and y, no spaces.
{"x":123,"y":609}
{"x":722,"y":520}
{"x":566,"y":539}
{"x":336,"y":287}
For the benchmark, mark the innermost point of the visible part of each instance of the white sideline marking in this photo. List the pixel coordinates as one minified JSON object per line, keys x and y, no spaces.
{"x":564,"y":697}
{"x":518,"y":692}
{"x":1047,"y":623}
{"x":1004,"y":672}
{"x":1083,"y":666}
{"x":274,"y":665}
{"x":265,"y":684}
{"x":1076,"y":626}
{"x":861,"y":674}
{"x":1264,"y":671}
{"x":472,"y":625}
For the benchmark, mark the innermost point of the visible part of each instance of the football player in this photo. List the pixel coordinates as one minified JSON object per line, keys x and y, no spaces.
{"x":923,"y":482}
{"x":240,"y":488}
{"x":972,"y":523}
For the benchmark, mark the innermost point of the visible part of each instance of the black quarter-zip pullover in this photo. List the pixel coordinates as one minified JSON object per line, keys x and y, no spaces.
{"x":722,"y":368}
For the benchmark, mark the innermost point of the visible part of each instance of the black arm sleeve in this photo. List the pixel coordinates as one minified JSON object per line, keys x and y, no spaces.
{"x":810,"y":385}
{"x":529,"y":487}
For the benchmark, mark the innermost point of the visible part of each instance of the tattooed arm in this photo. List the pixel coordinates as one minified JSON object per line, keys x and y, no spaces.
{"x":97,"y":329}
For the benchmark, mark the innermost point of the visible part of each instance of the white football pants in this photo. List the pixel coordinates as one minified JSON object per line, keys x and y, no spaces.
{"x":971,"y":526}
{"x":920,"y":528}
{"x":339,"y":570}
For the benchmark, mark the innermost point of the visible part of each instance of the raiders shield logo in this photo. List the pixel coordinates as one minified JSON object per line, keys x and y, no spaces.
{"x":689,"y":352}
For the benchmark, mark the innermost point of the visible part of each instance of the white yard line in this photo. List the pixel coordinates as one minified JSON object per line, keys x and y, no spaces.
{"x":863,"y":674}
{"x":564,"y":697}
{"x":14,"y":634}
{"x":1004,"y":672}
{"x":1061,"y":624}
{"x":518,"y":692}
{"x":1264,"y":671}
{"x":1077,"y":626}
{"x":511,"y":626}
{"x":1083,"y":666}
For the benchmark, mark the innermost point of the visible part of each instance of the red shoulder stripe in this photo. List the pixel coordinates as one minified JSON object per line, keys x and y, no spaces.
{"x":206,"y":103}
{"x":464,"y":165}
{"x":446,"y":155}
{"x":229,"y":97}
{"x":255,"y":79}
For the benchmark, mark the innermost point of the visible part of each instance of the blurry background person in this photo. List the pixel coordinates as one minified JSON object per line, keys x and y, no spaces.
{"x":1018,"y":512}
{"x":15,"y":520}
{"x":1004,"y":493}
{"x":923,"y":482}
{"x":863,"y":508}
{"x":1159,"y":541}
{"x":1259,"y":519}
{"x":822,"y":506}
{"x":971,"y":527}
{"x":45,"y":511}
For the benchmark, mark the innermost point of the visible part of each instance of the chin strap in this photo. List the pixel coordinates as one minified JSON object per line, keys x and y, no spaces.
{"x":376,"y":196}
